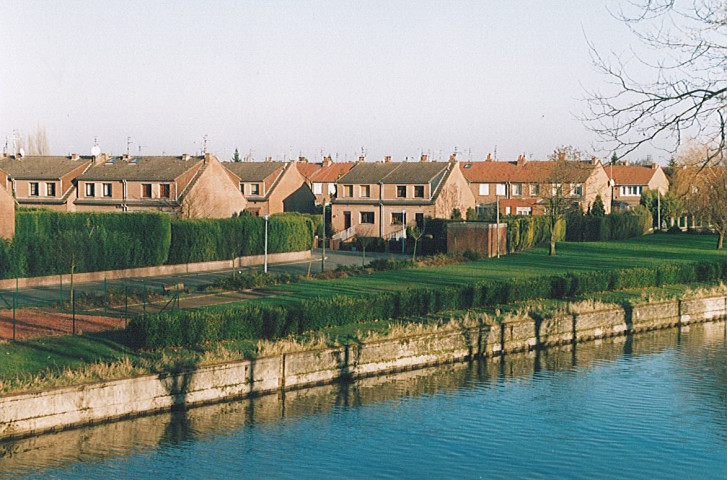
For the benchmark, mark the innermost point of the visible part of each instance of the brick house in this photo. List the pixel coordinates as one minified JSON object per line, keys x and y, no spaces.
{"x":630,"y":181}
{"x":381,"y":199}
{"x":323,"y":180}
{"x":184,"y":186}
{"x":43,"y":181}
{"x":519,"y":186}
{"x":272,"y":187}
{"x":7,"y":214}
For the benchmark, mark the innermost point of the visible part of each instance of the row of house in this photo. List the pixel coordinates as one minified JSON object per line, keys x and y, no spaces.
{"x":366,"y":198}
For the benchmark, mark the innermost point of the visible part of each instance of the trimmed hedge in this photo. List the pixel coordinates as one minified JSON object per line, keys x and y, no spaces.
{"x":525,"y":231}
{"x":47,"y":242}
{"x":586,"y":228}
{"x":263,"y":321}
{"x":205,"y":240}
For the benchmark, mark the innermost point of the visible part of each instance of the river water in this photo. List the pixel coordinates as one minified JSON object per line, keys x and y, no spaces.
{"x":648,"y":406}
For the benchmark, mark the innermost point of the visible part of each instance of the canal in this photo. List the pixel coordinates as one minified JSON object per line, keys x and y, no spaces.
{"x":648,"y":406}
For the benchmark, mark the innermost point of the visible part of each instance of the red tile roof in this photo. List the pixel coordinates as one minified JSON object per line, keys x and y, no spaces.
{"x":630,"y":174}
{"x":307,"y":169}
{"x":487,"y":172}
{"x":332,"y":172}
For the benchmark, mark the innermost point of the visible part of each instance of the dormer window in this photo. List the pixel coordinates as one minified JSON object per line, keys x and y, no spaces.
{"x":255,"y":189}
{"x":90,"y":189}
{"x":165,"y":190}
{"x":34,"y":192}
{"x":418,"y":191}
{"x":50,"y":189}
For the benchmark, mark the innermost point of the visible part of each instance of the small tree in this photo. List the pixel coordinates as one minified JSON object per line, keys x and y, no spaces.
{"x":597,"y":209}
{"x":364,"y":237}
{"x":417,"y":234}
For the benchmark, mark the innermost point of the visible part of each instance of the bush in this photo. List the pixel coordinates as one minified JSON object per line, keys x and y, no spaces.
{"x":525,"y":232}
{"x":588,"y":228}
{"x":46,"y":241}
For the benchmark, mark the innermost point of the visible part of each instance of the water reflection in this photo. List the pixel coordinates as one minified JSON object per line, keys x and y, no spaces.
{"x":165,"y":431}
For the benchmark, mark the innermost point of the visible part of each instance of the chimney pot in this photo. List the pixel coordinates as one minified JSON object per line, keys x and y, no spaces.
{"x":387,"y":159}
{"x":425,"y":158}
{"x":489,"y":157}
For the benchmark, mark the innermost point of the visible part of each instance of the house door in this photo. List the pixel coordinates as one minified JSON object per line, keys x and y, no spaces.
{"x":346,"y":220}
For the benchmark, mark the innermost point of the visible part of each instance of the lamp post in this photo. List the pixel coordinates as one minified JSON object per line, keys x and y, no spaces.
{"x":403,"y":229}
{"x":497,"y":223}
{"x":323,"y":236}
{"x":266,"y":217}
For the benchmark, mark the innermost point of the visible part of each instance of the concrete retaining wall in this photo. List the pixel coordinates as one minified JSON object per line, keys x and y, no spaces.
{"x":31,"y":413}
{"x":156,"y":271}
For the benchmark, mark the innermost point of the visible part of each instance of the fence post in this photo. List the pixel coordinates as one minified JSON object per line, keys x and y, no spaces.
{"x":60,"y":291}
{"x":126,"y":306}
{"x":15,"y":302}
{"x":105,"y":298}
{"x":143,"y":284}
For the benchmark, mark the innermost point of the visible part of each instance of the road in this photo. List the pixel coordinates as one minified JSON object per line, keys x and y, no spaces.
{"x":49,"y":294}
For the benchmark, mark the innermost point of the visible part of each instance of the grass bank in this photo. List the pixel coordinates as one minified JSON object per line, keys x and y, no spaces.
{"x":67,"y":360}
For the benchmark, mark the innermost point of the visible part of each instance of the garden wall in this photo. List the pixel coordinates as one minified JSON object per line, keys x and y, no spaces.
{"x":32,"y":413}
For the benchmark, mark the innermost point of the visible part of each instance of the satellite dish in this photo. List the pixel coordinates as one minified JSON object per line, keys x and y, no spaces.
{"x":96,"y":151}
{"x":21,"y":152}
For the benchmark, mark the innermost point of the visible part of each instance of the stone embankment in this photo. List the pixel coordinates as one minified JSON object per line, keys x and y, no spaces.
{"x":56,"y":409}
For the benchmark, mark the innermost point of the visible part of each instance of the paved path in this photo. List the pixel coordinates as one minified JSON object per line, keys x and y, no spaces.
{"x":44,"y":295}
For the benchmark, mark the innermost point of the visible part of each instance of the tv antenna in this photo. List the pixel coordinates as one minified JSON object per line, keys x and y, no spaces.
{"x":204,"y":144}
{"x":128,"y":145}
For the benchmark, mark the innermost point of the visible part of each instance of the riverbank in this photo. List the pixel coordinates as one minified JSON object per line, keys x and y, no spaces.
{"x":473,"y":335}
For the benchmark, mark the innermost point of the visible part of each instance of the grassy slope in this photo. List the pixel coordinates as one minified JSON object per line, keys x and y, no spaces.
{"x":27,"y":358}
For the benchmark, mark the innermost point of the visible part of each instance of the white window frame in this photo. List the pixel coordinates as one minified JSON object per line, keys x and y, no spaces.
{"x":107,"y":190}
{"x":516,"y":189}
{"x":484,"y":189}
{"x":91,"y":190}
{"x":500,"y":189}
{"x":317,"y":188}
{"x":523,"y":210}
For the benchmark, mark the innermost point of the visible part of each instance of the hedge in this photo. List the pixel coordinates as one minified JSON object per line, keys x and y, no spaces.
{"x":586,"y":228}
{"x":205,"y":240}
{"x":525,"y":231}
{"x":48,"y":242}
{"x":264,"y":321}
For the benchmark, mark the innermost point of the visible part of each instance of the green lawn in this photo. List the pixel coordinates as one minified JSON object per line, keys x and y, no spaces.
{"x":572,"y":257}
{"x":52,"y":355}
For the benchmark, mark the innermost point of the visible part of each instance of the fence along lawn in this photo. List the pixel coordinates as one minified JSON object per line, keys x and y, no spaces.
{"x":644,"y":251}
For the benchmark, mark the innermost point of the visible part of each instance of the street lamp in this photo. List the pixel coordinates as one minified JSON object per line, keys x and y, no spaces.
{"x":266,"y":217}
{"x":323,"y":236}
{"x":403,"y":229}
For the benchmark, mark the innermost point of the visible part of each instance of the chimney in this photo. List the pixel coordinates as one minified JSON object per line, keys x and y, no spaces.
{"x":74,"y":157}
{"x":207,"y":158}
{"x":425,"y":158}
{"x":453,"y":158}
{"x":327,"y":160}
{"x":654,"y":166}
{"x":489,"y":157}
{"x":594,"y":161}
{"x":126,"y":157}
{"x":520,"y":160}
{"x":561,"y":156}
{"x":361,"y":158}
{"x":387,"y":159}
{"x":100,"y":159}
{"x":302,"y":159}
{"x":185,"y":157}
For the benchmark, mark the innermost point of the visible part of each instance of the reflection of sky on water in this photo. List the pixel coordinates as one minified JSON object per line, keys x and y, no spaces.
{"x":651,"y":405}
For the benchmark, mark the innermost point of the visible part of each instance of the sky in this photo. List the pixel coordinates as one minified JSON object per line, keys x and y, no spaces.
{"x":285,"y":78}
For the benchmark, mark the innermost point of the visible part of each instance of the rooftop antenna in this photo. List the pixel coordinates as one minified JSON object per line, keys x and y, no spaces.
{"x":5,"y":148}
{"x":140,"y":147}
{"x":495,"y":152}
{"x":204,"y":144}
{"x":128,"y":145}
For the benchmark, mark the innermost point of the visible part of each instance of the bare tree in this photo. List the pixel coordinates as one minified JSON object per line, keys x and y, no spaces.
{"x":365,"y":237}
{"x":35,"y":143}
{"x":557,"y":194}
{"x":417,"y":233}
{"x":680,"y":94}
{"x":703,"y":189}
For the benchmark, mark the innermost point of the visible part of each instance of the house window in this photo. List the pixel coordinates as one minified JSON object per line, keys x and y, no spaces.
{"x":534,"y":190}
{"x":524,"y":210}
{"x":418,"y":191}
{"x":397,"y":218}
{"x":557,"y":189}
{"x":516,"y":189}
{"x":50,"y":189}
{"x":255,"y":189}
{"x":90,"y":189}
{"x":33,"y":189}
{"x":484,"y":188}
{"x":107,"y":190}
{"x":500,"y":189}
{"x":242,"y":188}
{"x":419,"y":217}
{"x":318,"y":188}
{"x":164,"y":190}
{"x":367,"y":217}
{"x":401,"y":191}
{"x":508,"y":210}
{"x":631,"y":190}
{"x":365,"y":191}
{"x":348,"y":191}
{"x":576,"y":189}
{"x":146,"y":190}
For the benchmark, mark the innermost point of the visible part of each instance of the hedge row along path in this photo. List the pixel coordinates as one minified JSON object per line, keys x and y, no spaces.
{"x":49,"y":321}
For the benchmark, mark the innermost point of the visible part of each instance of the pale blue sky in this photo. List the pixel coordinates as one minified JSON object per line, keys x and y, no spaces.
{"x":280,"y":78}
